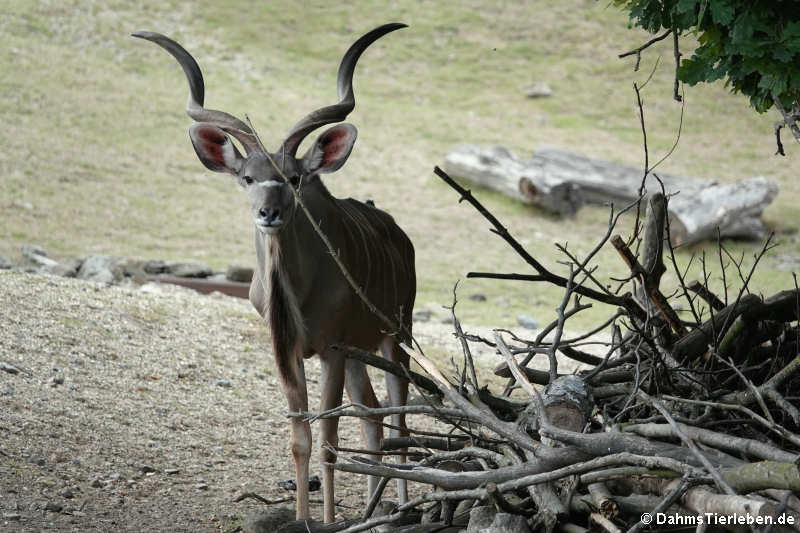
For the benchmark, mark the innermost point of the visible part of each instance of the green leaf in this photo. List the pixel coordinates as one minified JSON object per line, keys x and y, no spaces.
{"x":722,"y":11}
{"x":774,"y":83}
{"x":692,"y":71}
{"x":686,"y":6}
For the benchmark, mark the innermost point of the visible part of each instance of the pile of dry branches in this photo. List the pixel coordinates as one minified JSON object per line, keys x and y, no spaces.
{"x":687,"y":415}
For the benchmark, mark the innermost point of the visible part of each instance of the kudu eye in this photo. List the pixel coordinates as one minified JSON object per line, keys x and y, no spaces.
{"x":248,"y":180}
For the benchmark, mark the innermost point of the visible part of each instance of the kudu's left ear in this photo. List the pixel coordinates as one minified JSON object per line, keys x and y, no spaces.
{"x":330,"y":150}
{"x":215,"y":148}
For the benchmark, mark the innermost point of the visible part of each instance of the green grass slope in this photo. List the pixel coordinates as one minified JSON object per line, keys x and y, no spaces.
{"x":94,"y":133}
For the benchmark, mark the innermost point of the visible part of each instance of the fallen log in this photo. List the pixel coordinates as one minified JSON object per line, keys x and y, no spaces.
{"x":237,"y":289}
{"x":561,"y":182}
{"x":496,"y":168}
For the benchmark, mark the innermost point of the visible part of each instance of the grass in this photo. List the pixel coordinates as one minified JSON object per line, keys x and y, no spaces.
{"x":95,"y":136}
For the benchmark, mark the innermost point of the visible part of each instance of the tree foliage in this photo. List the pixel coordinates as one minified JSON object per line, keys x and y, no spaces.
{"x":754,"y":45}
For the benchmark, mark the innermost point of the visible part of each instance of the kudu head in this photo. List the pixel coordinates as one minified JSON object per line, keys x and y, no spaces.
{"x":267,"y":176}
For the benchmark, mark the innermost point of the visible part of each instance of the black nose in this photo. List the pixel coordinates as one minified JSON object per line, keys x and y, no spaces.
{"x":269,"y":214}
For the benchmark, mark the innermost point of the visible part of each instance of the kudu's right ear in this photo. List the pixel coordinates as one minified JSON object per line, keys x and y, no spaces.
{"x":215,"y":148}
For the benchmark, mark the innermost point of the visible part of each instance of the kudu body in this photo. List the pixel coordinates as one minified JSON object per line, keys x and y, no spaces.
{"x":298,"y":288}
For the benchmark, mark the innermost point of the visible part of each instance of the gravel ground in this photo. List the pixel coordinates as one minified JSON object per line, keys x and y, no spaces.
{"x":144,"y":409}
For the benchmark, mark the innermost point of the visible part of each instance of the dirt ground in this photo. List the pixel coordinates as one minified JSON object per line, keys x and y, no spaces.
{"x":145,"y":409}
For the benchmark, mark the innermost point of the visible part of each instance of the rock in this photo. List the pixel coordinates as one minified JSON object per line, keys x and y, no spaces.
{"x":268,"y":521}
{"x":201,"y":486}
{"x":27,"y":206}
{"x":223,"y":383}
{"x":8,"y":391}
{"x":477,"y":297}
{"x":171,"y":471}
{"x":67,"y":269}
{"x":146,"y":469}
{"x":5,"y":263}
{"x":28,"y":269}
{"x":96,"y":483}
{"x":239,"y":273}
{"x":11,"y":369}
{"x":37,"y":255}
{"x":154,"y":266}
{"x":30,"y":250}
{"x":314,"y":484}
{"x":54,"y":507}
{"x":189,"y":269}
{"x":12,"y":516}
{"x":423,"y":315}
{"x":67,"y":493}
{"x":480,"y":518}
{"x":55,"y":381}
{"x":133,"y":269}
{"x":527,"y":322}
{"x":100,"y":268}
{"x":539,"y":90}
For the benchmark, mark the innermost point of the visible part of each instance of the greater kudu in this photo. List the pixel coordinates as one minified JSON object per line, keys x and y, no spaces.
{"x":298,"y":288}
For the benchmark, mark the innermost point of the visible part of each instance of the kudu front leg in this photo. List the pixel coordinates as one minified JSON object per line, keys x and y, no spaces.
{"x":332,"y":379}
{"x":296,"y":391}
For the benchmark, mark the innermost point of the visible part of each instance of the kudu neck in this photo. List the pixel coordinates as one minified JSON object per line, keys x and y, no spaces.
{"x":297,"y":249}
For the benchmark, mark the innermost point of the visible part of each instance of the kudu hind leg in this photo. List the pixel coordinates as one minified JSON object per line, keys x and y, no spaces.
{"x":397,"y":389}
{"x":332,"y":379}
{"x":359,"y":390}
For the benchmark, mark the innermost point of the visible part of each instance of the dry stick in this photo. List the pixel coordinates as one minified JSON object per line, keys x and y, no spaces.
{"x":551,"y":353}
{"x":358,"y":410}
{"x":603,"y":500}
{"x":464,"y":344}
{"x":721,"y":483}
{"x":482,"y":416}
{"x":371,"y":359}
{"x":750,"y":386}
{"x":253,"y":495}
{"x":670,"y":498}
{"x":510,"y":478}
{"x":375,"y":497}
{"x":544,"y":274}
{"x":789,"y":119}
{"x":783,"y":403}
{"x":471,"y":451}
{"x":501,"y":503}
{"x":775,"y":428}
{"x":516,"y":371}
{"x":677,"y":54}
{"x":570,"y":288}
{"x":703,"y":292}
{"x":652,"y":291}
{"x":714,"y":439}
{"x":603,"y":523}
{"x":742,"y":290}
{"x":638,"y":51}
{"x":748,"y":396}
{"x":637,"y":222}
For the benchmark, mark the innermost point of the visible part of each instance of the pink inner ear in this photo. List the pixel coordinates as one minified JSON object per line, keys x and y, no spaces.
{"x":333,"y":143}
{"x":212,"y":140}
